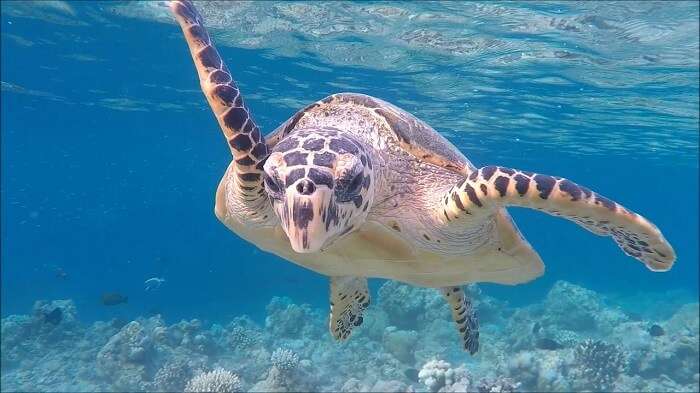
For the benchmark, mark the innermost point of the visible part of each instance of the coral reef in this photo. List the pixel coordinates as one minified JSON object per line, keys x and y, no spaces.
{"x":286,"y":319}
{"x":673,"y":355}
{"x":408,"y":343}
{"x":541,"y":370}
{"x":123,"y":359}
{"x":408,"y":306}
{"x":573,"y":308}
{"x":400,"y":343}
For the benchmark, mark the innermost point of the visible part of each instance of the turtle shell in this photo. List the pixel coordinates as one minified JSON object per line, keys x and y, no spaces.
{"x":412,"y":134}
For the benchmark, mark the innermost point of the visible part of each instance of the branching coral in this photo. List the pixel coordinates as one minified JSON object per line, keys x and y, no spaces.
{"x":284,"y":360}
{"x":173,"y":376}
{"x":241,"y":338}
{"x":497,"y":385}
{"x":216,"y":381}
{"x":599,"y":363}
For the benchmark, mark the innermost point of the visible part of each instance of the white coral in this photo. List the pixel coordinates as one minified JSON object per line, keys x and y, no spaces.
{"x":497,"y":385}
{"x":242,"y":339}
{"x":173,"y":376}
{"x":218,"y":381}
{"x":285,"y":360}
{"x":436,"y":374}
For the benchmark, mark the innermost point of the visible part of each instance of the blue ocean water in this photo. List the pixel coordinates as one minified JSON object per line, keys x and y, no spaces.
{"x":111,"y":157}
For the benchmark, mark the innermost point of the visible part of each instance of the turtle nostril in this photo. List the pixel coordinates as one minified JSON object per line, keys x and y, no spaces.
{"x":306,"y":187}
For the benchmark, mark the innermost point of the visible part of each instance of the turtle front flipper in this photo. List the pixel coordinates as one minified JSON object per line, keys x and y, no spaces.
{"x":349,"y":299}
{"x":492,"y":187}
{"x":464,"y":316}
{"x":242,"y":134}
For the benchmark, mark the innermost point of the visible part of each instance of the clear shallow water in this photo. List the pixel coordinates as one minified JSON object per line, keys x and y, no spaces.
{"x":110,"y":157}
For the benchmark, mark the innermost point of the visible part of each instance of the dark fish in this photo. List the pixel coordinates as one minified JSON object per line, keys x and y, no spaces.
{"x":411,"y":374}
{"x":548,"y":344}
{"x":54,"y":317}
{"x":656,"y":331}
{"x":113,"y":298}
{"x":536,"y":328}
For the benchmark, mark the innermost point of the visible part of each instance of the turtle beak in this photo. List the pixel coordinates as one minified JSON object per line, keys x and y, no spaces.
{"x":305,"y":226}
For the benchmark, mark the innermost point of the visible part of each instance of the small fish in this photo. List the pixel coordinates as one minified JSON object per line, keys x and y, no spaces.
{"x":153,"y":283}
{"x":54,"y":317}
{"x":411,"y":374}
{"x":113,"y":298}
{"x":548,"y":344}
{"x":536,"y":328}
{"x":656,"y":331}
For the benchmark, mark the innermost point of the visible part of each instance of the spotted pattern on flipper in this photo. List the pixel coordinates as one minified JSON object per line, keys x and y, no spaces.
{"x":242,"y":133}
{"x":559,"y":197}
{"x":349,"y":299}
{"x":464,"y":315}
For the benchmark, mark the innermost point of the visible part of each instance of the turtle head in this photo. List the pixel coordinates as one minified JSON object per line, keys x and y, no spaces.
{"x":320,"y":183}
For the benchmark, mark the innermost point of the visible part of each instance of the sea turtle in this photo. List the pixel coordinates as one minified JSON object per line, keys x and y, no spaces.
{"x":354,"y":187}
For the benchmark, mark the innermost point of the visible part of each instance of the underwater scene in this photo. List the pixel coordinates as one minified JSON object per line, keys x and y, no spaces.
{"x":189,"y":204}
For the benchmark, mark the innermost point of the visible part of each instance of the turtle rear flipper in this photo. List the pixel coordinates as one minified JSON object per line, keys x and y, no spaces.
{"x":492,"y":187}
{"x":464,"y":316}
{"x":349,"y":299}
